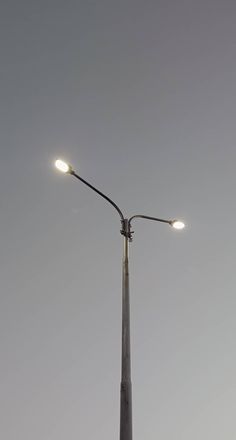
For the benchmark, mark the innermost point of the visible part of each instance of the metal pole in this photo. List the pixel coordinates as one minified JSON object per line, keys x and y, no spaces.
{"x":125,"y":388}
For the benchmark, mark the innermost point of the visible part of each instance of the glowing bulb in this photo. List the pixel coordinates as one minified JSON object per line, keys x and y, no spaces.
{"x":178,"y":224}
{"x":62,"y":166}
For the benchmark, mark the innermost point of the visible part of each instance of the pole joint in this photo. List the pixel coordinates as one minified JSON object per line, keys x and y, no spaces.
{"x":126,"y":229}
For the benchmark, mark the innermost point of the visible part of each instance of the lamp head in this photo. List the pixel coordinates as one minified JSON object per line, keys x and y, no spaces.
{"x":177,"y":224}
{"x":63,"y":166}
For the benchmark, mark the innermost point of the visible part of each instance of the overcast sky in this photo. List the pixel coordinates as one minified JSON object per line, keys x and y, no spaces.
{"x":140,"y":97}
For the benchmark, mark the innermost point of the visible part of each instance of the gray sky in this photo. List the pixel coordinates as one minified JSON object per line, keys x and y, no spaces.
{"x":140,"y":97}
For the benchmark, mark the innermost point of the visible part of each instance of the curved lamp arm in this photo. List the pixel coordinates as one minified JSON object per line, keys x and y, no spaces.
{"x":170,"y":222}
{"x":147,"y":217}
{"x":73,"y":173}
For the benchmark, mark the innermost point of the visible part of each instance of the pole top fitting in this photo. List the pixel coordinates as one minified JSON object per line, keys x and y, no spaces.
{"x":126,"y":230}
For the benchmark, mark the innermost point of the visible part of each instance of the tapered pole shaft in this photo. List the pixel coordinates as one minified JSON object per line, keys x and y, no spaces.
{"x":125,"y":389}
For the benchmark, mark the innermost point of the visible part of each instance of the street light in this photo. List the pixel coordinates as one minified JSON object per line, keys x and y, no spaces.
{"x":178,"y":224}
{"x":62,"y":166}
{"x":125,"y":389}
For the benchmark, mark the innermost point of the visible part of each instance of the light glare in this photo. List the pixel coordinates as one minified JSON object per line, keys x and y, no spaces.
{"x":62,"y":166}
{"x":178,"y":224}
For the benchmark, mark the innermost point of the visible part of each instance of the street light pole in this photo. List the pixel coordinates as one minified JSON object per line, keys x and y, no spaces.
{"x":125,"y":387}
